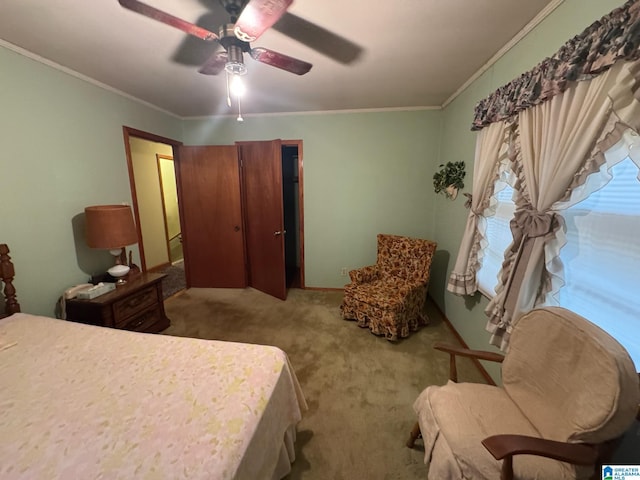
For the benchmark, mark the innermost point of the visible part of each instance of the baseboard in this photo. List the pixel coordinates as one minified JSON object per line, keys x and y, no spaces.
{"x":476,"y":362}
{"x":159,"y":268}
{"x":323,"y":289}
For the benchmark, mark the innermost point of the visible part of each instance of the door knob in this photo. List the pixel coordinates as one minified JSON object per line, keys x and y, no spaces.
{"x":236,"y":228}
{"x":275,"y":234}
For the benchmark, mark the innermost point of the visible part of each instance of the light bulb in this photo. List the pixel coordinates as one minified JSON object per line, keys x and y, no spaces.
{"x":239,"y":119}
{"x":237,"y":86}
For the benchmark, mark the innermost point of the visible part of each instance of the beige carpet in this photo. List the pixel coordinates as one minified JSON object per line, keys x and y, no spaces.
{"x":360,"y":388}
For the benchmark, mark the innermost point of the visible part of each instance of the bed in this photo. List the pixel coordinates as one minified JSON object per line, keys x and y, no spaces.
{"x":80,"y":401}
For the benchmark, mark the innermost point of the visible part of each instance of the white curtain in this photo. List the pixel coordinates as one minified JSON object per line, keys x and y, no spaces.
{"x":491,"y":148}
{"x":561,"y":141}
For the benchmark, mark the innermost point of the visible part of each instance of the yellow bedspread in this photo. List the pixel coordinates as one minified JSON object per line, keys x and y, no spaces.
{"x":85,"y":402}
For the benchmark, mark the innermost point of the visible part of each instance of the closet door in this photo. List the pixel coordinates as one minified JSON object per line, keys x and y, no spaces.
{"x":261,"y":164}
{"x":208,"y":180}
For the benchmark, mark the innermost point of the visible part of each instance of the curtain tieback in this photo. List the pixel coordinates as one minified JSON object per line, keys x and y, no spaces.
{"x":527,"y":224}
{"x":530,"y":223}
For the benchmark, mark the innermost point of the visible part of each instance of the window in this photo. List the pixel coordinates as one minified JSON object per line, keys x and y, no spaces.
{"x":497,"y":234}
{"x":601,"y":258}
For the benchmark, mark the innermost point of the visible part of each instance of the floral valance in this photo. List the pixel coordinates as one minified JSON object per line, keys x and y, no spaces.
{"x":614,"y":37}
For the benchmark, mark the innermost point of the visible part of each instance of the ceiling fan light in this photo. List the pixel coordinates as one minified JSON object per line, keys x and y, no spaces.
{"x":237,"y":86}
{"x":235,"y":63}
{"x":235,"y":68}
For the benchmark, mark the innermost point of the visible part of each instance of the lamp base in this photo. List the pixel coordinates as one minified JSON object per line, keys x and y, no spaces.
{"x":118,"y":272}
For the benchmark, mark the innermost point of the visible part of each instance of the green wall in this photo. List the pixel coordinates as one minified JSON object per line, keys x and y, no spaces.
{"x":458,"y":143}
{"x":62,"y":150}
{"x":364,"y":173}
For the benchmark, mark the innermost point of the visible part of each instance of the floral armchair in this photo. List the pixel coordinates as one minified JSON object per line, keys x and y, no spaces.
{"x":388,"y":297}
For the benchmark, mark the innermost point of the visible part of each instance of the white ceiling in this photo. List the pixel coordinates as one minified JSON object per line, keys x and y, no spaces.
{"x":415,"y":53}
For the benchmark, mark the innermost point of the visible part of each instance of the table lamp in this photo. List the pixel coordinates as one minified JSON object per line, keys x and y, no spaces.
{"x":111,"y":227}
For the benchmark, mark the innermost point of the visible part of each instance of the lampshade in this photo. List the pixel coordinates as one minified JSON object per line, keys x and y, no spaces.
{"x":110,"y":226}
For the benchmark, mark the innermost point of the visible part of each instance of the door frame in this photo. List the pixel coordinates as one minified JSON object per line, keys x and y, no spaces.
{"x":128,"y":132}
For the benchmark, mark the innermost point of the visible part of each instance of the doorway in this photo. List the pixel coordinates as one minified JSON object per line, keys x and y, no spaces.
{"x":291,"y":211}
{"x":142,"y":149}
{"x":169,"y":196}
{"x":154,"y":195}
{"x":290,"y":154}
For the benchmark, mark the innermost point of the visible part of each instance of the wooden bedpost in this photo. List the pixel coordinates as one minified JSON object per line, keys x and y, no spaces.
{"x":6,"y":275}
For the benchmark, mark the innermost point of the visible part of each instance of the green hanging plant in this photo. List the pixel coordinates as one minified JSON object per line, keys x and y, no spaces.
{"x":449,"y":179}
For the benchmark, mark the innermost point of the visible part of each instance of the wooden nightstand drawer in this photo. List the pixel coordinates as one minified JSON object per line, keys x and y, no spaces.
{"x":143,"y":321}
{"x":123,"y":309}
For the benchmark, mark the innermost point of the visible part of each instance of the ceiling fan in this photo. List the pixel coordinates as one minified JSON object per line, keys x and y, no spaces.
{"x":249,"y":19}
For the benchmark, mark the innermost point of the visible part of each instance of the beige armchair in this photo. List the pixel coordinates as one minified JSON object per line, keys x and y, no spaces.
{"x":569,"y":393}
{"x":388,"y":297}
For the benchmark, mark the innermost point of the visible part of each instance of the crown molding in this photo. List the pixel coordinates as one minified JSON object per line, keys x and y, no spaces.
{"x":317,"y":112}
{"x":79,"y":76}
{"x":544,"y":13}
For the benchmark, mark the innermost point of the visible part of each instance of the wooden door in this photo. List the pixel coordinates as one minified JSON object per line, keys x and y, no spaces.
{"x":211,"y":216}
{"x":261,"y":164}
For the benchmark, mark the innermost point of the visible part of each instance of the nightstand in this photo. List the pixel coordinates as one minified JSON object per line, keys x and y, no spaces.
{"x":137,"y":305}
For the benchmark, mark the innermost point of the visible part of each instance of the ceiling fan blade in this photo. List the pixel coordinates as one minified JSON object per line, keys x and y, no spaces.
{"x":194,"y":51}
{"x":159,"y":15}
{"x":319,"y":39}
{"x":258,"y":16}
{"x":280,"y":60}
{"x":214,"y":64}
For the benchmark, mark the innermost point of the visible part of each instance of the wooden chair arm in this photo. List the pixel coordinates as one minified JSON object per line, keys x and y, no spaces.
{"x":466,"y":352}
{"x":503,"y":447}
{"x":454,"y":351}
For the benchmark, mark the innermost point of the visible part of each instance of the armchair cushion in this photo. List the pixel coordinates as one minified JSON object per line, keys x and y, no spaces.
{"x":579,"y":368}
{"x":388,"y":292}
{"x":459,"y":416}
